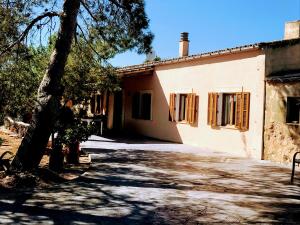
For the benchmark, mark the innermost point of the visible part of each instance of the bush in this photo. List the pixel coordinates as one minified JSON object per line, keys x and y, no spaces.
{"x":77,"y":132}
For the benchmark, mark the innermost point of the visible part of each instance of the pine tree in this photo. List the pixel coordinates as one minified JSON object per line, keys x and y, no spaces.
{"x":119,"y":24}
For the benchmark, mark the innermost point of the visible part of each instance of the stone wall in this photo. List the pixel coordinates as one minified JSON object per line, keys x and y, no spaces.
{"x":281,"y":140}
{"x":18,"y":127}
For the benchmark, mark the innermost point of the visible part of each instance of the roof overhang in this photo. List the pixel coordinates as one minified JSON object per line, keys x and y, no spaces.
{"x":135,"y":71}
{"x":284,"y":77}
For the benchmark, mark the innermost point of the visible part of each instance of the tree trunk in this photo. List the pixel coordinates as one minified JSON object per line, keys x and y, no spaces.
{"x":50,"y":91}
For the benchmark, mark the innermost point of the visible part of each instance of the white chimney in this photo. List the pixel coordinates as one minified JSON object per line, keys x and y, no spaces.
{"x":292,"y":30}
{"x":184,"y":44}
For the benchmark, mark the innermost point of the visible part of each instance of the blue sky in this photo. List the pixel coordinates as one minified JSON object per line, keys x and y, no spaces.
{"x":213,"y":24}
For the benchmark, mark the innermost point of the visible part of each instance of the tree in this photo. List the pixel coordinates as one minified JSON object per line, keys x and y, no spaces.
{"x":20,"y":76}
{"x":85,"y":73}
{"x":118,"y":23}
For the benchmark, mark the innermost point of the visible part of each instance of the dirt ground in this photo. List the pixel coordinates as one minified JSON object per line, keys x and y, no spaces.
{"x":12,"y":143}
{"x":45,"y":177}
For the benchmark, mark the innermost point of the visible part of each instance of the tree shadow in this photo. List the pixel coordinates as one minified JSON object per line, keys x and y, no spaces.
{"x":154,"y":187}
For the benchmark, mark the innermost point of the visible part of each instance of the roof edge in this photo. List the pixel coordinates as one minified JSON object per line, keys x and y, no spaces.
{"x":227,"y":51}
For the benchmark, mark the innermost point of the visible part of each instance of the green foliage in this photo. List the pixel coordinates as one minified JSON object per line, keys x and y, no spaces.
{"x":105,"y":28}
{"x":86,"y":72}
{"x":8,"y":19}
{"x":20,"y":76}
{"x":157,"y":58}
{"x":77,"y":132}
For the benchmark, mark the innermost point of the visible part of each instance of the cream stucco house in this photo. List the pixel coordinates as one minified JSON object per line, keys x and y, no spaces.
{"x":242,"y":100}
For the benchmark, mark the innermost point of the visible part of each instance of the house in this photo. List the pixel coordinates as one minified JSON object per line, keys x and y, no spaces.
{"x":242,"y":100}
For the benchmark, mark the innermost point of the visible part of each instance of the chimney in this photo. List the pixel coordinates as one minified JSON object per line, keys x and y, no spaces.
{"x":292,"y":30}
{"x":184,"y":44}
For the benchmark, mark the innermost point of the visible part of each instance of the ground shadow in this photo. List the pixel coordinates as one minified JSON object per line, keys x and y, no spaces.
{"x":154,"y":187}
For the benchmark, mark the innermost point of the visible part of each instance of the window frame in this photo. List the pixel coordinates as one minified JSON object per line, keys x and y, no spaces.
{"x":182,"y":120}
{"x":232,"y":109}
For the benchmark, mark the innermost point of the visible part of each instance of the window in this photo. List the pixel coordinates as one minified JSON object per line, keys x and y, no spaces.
{"x":142,"y":105}
{"x":183,"y":107}
{"x":293,"y":110}
{"x":98,"y":104}
{"x":229,"y":109}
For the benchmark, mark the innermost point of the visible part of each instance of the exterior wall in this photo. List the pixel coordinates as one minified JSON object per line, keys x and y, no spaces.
{"x":281,"y":140}
{"x":232,"y":73}
{"x":282,"y":59}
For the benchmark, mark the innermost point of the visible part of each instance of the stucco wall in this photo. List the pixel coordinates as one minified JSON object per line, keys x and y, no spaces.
{"x":232,"y":73}
{"x":281,"y":140}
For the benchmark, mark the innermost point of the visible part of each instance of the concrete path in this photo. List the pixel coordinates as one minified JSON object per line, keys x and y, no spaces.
{"x":150,"y":182}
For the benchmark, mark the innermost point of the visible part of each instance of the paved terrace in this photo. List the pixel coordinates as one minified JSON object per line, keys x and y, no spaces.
{"x":150,"y":182}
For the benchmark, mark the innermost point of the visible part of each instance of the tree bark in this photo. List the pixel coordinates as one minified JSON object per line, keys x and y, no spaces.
{"x":50,"y":91}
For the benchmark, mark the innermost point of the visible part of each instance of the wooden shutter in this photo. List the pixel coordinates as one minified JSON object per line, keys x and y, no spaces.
{"x":172,"y":107}
{"x":209,"y":109}
{"x":191,"y":108}
{"x":245,"y":111}
{"x":212,"y":109}
{"x":215,"y":110}
{"x":242,"y":110}
{"x":238,"y":110}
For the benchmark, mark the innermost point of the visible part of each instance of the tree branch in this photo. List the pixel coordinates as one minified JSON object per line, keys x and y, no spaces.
{"x":86,"y":40}
{"x":88,"y":10}
{"x":118,"y":4}
{"x":28,"y":28}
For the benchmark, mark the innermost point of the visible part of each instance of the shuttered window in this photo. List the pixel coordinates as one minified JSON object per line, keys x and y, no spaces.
{"x":183,"y":108}
{"x":229,"y":109}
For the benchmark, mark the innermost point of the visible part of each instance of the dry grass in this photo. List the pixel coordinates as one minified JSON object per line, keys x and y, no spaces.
{"x":11,"y":142}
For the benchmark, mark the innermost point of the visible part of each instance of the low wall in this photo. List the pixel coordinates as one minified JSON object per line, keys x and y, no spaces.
{"x":18,"y":127}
